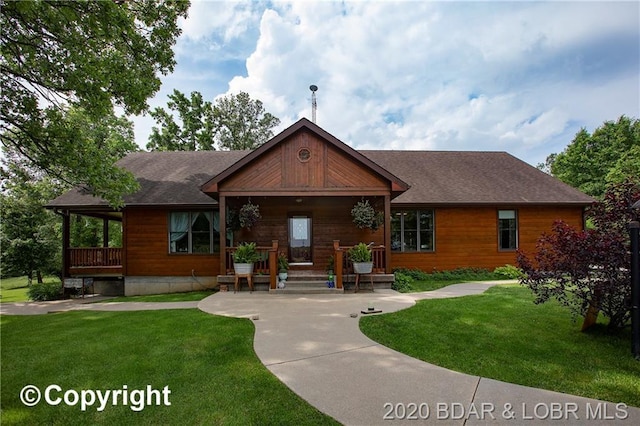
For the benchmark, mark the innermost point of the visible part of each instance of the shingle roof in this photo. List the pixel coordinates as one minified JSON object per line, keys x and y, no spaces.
{"x":435,"y":177}
{"x":454,"y":177}
{"x":164,"y":177}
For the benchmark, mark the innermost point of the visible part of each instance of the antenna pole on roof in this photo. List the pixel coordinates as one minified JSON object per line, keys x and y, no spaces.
{"x":314,"y":104}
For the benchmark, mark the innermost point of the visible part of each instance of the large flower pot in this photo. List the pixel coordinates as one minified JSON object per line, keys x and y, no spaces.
{"x":362,"y":267}
{"x":243,"y":268}
{"x":283,"y":276}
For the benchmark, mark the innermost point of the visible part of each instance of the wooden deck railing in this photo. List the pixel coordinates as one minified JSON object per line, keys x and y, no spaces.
{"x":344,"y":266}
{"x":95,"y":256}
{"x":267,"y":264}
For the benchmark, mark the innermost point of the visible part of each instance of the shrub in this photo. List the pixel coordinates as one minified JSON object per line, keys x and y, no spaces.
{"x":588,"y":270}
{"x":401,"y":282}
{"x":466,"y":274}
{"x":415,"y":274}
{"x":40,"y":292}
{"x":509,"y":271}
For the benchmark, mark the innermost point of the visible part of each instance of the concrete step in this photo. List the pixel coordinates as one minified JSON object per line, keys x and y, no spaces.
{"x":306,"y":290}
{"x":307,"y":284}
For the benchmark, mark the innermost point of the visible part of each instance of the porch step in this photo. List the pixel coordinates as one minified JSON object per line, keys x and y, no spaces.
{"x":299,"y":286}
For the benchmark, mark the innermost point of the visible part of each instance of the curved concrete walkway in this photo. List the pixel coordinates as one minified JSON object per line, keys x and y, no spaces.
{"x":314,"y":345}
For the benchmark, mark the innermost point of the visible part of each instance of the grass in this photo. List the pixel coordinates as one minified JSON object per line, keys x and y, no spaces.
{"x":421,"y":281}
{"x":192,"y":296}
{"x":207,"y":362}
{"x":502,"y":335}
{"x":15,"y":289}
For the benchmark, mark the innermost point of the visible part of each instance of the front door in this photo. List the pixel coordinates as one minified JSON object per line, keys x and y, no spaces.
{"x":300,"y":240}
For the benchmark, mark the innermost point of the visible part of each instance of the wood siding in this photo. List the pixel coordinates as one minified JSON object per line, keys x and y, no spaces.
{"x":327,"y":170}
{"x":468,"y":236}
{"x":147,"y":248}
{"x":464,"y":236}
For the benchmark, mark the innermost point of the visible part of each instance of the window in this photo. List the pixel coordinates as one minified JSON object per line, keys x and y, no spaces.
{"x":412,"y":230}
{"x":194,"y":232}
{"x":507,"y":230}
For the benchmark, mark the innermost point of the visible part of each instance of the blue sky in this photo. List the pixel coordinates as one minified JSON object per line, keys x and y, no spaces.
{"x":521,"y":77}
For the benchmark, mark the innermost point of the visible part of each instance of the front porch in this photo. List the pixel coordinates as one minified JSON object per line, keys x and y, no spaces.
{"x":306,"y":279}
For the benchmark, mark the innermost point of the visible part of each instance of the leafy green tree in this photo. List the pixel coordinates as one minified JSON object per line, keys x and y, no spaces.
{"x":242,"y":123}
{"x":196,"y":132}
{"x":593,"y":161}
{"x":192,"y":124}
{"x":30,"y":235}
{"x":84,"y":55}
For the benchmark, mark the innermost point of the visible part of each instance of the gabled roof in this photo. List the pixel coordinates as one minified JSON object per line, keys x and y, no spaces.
{"x":421,"y":177}
{"x":397,"y":185}
{"x":471,"y":177}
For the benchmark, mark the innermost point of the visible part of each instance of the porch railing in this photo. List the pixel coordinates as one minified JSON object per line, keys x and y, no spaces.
{"x":267,"y":264}
{"x":95,"y":256}
{"x":344,"y":266}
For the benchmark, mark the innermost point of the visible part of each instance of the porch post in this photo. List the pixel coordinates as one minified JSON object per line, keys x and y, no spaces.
{"x":105,"y":232}
{"x":66,"y":242}
{"x":222,"y":205}
{"x":337,"y":263}
{"x":273,"y":264}
{"x":387,"y":234}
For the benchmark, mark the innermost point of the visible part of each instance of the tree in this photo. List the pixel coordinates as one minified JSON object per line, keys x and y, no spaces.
{"x":90,"y":56}
{"x":30,"y":235}
{"x":588,"y":269}
{"x":242,"y":123}
{"x":592,"y":161}
{"x":233,"y":122}
{"x":30,"y":239}
{"x":196,"y":132}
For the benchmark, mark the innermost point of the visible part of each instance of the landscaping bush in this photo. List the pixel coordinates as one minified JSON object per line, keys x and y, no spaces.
{"x":415,"y":274}
{"x":509,"y":271}
{"x":401,"y":282}
{"x":466,"y":274}
{"x":40,"y":292}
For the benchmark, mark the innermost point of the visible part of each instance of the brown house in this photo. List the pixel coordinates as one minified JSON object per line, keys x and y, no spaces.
{"x":442,"y":210}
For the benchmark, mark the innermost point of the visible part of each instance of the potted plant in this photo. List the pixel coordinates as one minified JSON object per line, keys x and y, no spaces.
{"x":283,"y":266}
{"x":361,"y":256}
{"x":244,"y":257}
{"x":364,"y":216}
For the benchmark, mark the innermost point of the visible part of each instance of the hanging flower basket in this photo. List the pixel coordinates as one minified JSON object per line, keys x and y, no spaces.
{"x":249,"y":215}
{"x":365,"y":216}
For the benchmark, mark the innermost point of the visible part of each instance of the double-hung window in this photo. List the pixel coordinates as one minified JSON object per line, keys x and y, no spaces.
{"x":194,"y":232}
{"x":507,"y":230}
{"x":412,"y":230}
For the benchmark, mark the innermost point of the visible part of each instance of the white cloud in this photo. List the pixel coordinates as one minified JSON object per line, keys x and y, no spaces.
{"x":520,"y":77}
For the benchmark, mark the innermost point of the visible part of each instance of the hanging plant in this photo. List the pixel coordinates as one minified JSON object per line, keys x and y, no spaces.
{"x":249,"y":215}
{"x":365,"y":216}
{"x":233,"y":220}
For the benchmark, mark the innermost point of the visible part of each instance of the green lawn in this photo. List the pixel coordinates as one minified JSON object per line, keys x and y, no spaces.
{"x":207,"y":362}
{"x":415,"y":280}
{"x":502,"y":335}
{"x":15,"y":289}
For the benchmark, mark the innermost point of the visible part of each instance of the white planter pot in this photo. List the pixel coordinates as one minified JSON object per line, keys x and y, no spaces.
{"x":362,"y":267}
{"x":243,"y":268}
{"x":283,"y":276}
